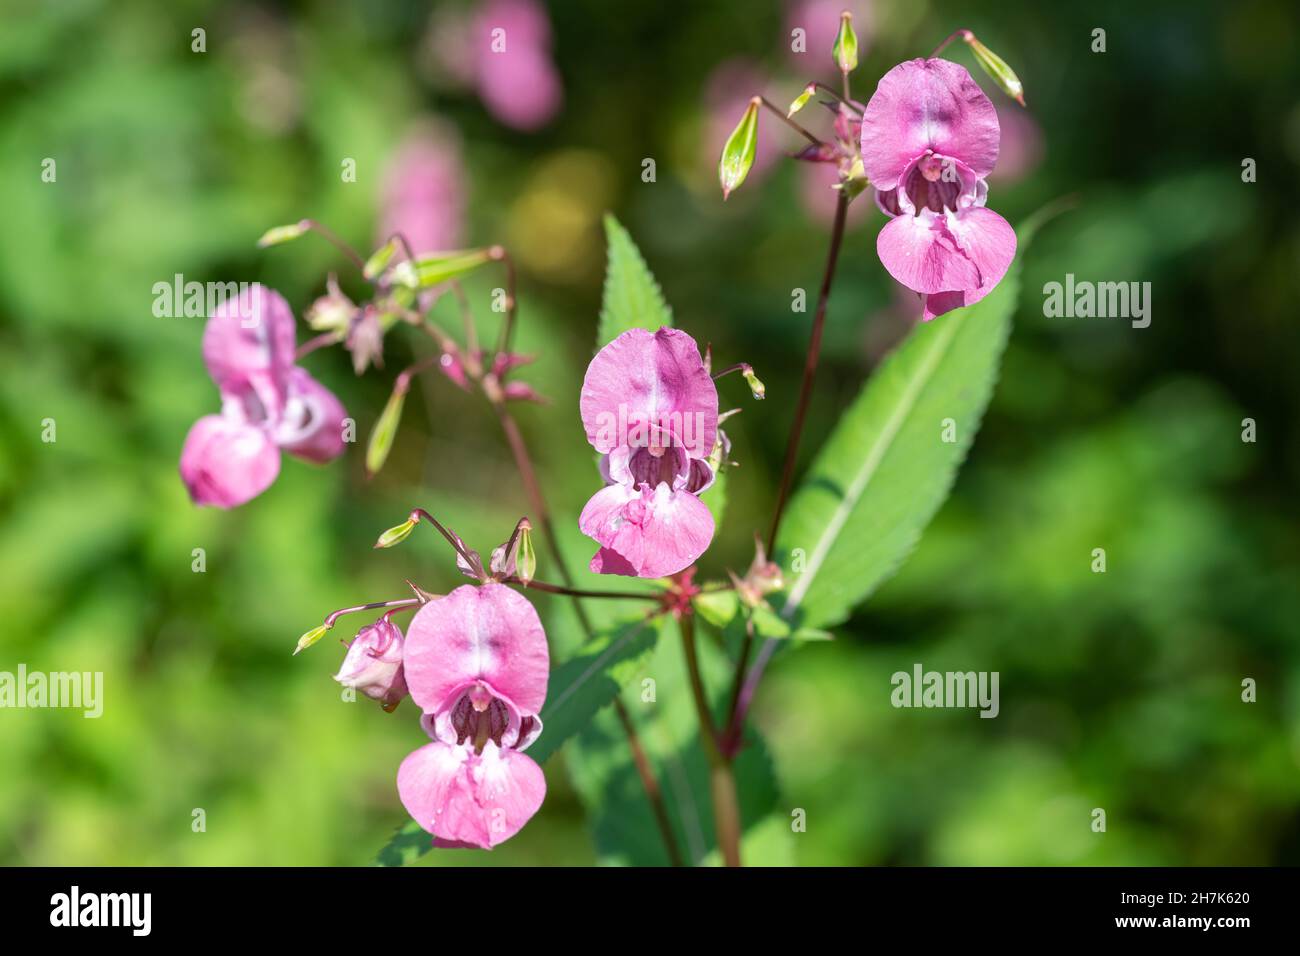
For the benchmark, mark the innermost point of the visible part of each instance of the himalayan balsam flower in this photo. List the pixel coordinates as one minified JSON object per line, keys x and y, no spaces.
{"x":929,"y":140}
{"x":373,"y":664}
{"x":477,"y":664}
{"x":268,"y":404}
{"x":651,"y":409}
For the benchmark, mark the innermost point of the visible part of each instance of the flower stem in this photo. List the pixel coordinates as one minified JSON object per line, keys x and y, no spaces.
{"x":373,"y":606}
{"x":788,"y":121}
{"x":576,"y":593}
{"x":722,"y":781}
{"x":537,"y":503}
{"x":809,"y":369}
{"x":955,"y":35}
{"x":332,"y":238}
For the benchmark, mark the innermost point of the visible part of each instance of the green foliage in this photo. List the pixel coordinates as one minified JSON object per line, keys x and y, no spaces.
{"x":631,"y":299}
{"x":590,"y":679}
{"x":892,"y":459}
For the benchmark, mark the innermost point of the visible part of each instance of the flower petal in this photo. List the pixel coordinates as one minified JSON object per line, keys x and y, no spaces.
{"x":249,"y":334}
{"x":649,"y":533}
{"x":488,"y":633}
{"x":644,"y":379}
{"x":313,"y":421}
{"x":988,"y":241}
{"x":919,"y":252}
{"x":464,"y":798}
{"x":927,"y":105}
{"x":226,"y":463}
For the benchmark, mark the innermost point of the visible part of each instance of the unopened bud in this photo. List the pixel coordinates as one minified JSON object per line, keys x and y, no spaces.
{"x":758,"y":389}
{"x":846,"y":45}
{"x":802,"y":99}
{"x":997,"y":68}
{"x":738,"y":153}
{"x":526,"y":560}
{"x":396,"y":535}
{"x":311,"y":637}
{"x":278,"y":234}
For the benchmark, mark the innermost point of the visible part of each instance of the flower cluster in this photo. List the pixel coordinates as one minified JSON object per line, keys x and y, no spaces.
{"x":268,"y":404}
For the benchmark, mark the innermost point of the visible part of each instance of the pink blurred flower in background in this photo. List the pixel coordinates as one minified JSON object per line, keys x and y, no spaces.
{"x":423,"y":193}
{"x":268,"y":404}
{"x":477,"y":664}
{"x":511,"y":63}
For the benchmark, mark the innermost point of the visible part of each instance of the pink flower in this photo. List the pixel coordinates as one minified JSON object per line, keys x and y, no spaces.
{"x":477,"y":664}
{"x":516,"y":79}
{"x":929,"y":140}
{"x":424,"y":191}
{"x":650,"y":407}
{"x":373,"y":664}
{"x":268,"y":404}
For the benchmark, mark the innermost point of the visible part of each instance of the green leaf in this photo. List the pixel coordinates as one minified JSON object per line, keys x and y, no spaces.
{"x":631,"y":299}
{"x":886,"y":468}
{"x":606,"y":779}
{"x":588,"y":681}
{"x":408,"y":844}
{"x":385,"y":430}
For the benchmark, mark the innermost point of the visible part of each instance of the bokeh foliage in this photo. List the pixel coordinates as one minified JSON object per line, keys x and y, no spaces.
{"x":1119,"y":690}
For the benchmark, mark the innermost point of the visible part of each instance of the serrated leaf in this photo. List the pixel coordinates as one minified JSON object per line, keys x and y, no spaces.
{"x":886,"y":468}
{"x":631,"y":298}
{"x":606,"y":779}
{"x":410,"y":842}
{"x":588,"y":681}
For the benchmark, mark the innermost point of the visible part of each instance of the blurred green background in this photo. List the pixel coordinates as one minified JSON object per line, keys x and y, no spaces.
{"x":1119,"y":690}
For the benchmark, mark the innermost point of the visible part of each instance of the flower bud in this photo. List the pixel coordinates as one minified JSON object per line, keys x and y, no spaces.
{"x":379,"y":260}
{"x":311,"y":637}
{"x":802,"y":99}
{"x":396,"y":535}
{"x":526,"y":561}
{"x":846,"y":45}
{"x":333,"y":311}
{"x":373,"y":664}
{"x":757,"y":388}
{"x":278,"y":234}
{"x":385,"y":430}
{"x":997,"y":69}
{"x":738,"y":152}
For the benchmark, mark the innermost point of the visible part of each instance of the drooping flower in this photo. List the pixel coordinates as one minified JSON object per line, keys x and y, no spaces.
{"x":477,"y":664}
{"x":268,"y":404}
{"x":929,"y":141}
{"x":373,"y":664}
{"x":650,"y":408}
